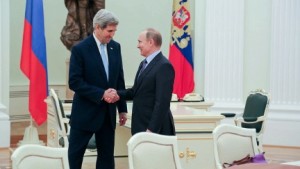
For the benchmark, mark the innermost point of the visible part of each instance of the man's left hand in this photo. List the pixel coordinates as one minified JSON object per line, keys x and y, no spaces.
{"x":122,"y":118}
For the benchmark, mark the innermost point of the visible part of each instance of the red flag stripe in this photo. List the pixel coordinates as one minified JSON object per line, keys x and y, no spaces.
{"x":37,"y":93}
{"x":184,"y":73}
{"x":26,"y":49}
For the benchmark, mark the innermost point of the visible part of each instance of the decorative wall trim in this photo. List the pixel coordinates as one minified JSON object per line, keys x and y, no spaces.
{"x":284,"y":113}
{"x":281,"y":128}
{"x":22,"y":117}
{"x":276,"y":112}
{"x":282,"y":123}
{"x":19,"y":96}
{"x":22,"y":90}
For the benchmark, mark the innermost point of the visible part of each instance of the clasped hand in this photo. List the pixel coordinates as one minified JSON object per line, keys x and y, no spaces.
{"x":111,"y":96}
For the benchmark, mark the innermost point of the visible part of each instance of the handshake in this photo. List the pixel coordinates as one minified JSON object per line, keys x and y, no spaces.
{"x":110,"y":96}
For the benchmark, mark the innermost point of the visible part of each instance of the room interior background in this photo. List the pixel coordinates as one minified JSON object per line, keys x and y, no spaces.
{"x":238,"y":46}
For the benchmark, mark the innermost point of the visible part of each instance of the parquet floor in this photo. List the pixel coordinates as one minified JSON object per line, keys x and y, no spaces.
{"x":274,"y":154}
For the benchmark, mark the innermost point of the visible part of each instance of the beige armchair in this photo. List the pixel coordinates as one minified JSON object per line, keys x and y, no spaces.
{"x":31,"y":156}
{"x":60,"y":128}
{"x":255,"y":114}
{"x":153,"y":151}
{"x":58,"y":124}
{"x":233,"y":143}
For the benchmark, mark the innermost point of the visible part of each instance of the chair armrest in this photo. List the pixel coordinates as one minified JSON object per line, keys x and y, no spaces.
{"x":65,"y":120}
{"x":249,"y":120}
{"x":228,"y":114}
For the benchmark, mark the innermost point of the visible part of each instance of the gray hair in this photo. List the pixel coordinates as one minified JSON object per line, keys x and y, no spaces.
{"x":155,"y":35}
{"x":103,"y":18}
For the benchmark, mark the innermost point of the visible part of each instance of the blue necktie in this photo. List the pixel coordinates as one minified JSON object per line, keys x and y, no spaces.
{"x":104,"y":59}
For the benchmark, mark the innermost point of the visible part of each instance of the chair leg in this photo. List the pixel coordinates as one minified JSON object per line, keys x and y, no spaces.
{"x":259,"y":145}
{"x":260,"y":148}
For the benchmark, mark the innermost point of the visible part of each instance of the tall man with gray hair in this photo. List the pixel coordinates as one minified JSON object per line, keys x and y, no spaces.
{"x":95,"y":67}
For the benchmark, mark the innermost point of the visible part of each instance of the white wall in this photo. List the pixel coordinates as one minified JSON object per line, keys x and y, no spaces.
{"x":137,"y":15}
{"x":249,"y":45}
{"x":55,"y":15}
{"x":4,"y":59}
{"x":4,"y":75}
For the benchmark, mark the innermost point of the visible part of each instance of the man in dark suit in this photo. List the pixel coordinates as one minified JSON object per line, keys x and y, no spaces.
{"x":152,"y":89}
{"x":96,"y":66}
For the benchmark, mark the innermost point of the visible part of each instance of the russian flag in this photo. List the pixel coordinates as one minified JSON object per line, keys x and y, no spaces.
{"x":34,"y":61}
{"x":180,"y":54}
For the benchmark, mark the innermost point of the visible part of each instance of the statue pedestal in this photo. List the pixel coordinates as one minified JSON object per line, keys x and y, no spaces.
{"x":69,"y":93}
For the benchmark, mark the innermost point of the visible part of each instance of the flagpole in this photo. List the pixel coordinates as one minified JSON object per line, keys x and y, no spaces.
{"x":30,"y":135}
{"x":34,"y":66}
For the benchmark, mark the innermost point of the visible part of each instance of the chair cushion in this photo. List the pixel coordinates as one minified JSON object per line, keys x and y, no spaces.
{"x":255,"y":107}
{"x":250,"y":119}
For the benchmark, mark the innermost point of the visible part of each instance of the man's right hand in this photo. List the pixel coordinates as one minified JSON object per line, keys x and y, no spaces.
{"x":111,"y":96}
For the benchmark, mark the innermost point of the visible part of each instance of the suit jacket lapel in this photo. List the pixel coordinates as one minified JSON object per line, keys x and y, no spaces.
{"x":111,"y":60}
{"x":151,"y":65}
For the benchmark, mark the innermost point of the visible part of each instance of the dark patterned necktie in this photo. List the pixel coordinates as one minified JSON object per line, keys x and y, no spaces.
{"x":144,"y":64}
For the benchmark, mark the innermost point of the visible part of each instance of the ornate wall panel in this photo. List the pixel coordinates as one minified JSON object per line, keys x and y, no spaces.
{"x":224,"y":51}
{"x":285,"y":53}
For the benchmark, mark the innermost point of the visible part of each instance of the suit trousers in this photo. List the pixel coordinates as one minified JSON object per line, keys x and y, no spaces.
{"x":105,"y":146}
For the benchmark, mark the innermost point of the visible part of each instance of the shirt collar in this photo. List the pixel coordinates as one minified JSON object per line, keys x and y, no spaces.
{"x":97,"y":41}
{"x":152,"y":56}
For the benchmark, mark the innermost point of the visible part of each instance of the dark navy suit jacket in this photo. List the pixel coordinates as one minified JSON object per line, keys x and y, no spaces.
{"x":88,"y":80}
{"x":151,"y":95}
